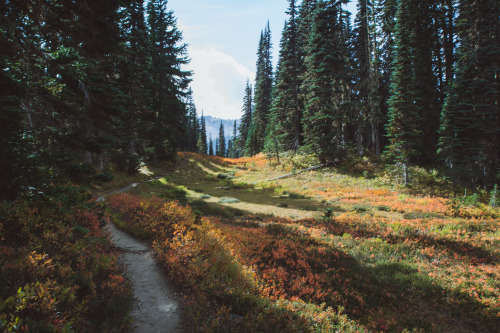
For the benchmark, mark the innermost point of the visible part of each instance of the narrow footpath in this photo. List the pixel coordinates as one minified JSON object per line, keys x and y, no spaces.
{"x":156,"y":305}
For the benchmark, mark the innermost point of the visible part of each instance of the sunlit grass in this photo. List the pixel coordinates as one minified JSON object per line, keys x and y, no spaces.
{"x":389,"y":259}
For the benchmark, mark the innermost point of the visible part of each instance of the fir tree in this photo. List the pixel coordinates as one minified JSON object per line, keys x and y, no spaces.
{"x":369,"y":116}
{"x":285,"y":129}
{"x":193,"y":126}
{"x":16,"y":169}
{"x":136,"y":97}
{"x":325,"y":82}
{"x":263,"y":88}
{"x":229,"y":152}
{"x":210,"y":146}
{"x":470,"y":123}
{"x":169,"y":81}
{"x":252,"y":144}
{"x":222,"y":142}
{"x":405,"y":121}
{"x":202,"y":137}
{"x":235,"y":152}
{"x":246,"y":119}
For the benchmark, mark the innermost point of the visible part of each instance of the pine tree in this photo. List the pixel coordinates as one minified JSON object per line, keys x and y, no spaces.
{"x":470,"y":123}
{"x":229,"y":151}
{"x":16,"y":169}
{"x":135,"y":84}
{"x":252,"y":144}
{"x":246,"y":118}
{"x":263,"y":88}
{"x":211,"y":146}
{"x":405,"y":120}
{"x":202,"y":137}
{"x":427,"y":48}
{"x":222,"y":141}
{"x":235,"y":151}
{"x":369,"y":116}
{"x":193,"y":126}
{"x":169,"y":81}
{"x":285,"y":129}
{"x":325,"y":84}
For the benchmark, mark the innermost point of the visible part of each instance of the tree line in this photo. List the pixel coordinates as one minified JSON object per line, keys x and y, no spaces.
{"x":415,"y":81}
{"x":88,"y":84}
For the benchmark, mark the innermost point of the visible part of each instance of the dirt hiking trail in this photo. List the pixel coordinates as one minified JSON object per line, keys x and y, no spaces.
{"x":157,"y":308}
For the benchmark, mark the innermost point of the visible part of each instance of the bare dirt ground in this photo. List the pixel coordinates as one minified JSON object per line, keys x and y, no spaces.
{"x":156,"y":305}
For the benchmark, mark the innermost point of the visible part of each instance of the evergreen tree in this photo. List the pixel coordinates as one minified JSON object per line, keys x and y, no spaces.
{"x":135,"y":84}
{"x":252,"y":144}
{"x":285,"y":129}
{"x":325,"y":84}
{"x":202,"y":137}
{"x":169,"y":81}
{"x":246,"y":119}
{"x":235,"y":152}
{"x":470,"y":123}
{"x":229,"y":151}
{"x":222,"y":141}
{"x":369,"y":116}
{"x":16,"y":169}
{"x":263,"y":88}
{"x":193,"y":126}
{"x":427,"y":49}
{"x":405,"y":121}
{"x":211,"y":146}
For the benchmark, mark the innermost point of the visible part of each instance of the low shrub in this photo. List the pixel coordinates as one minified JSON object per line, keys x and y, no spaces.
{"x":58,"y":269}
{"x":295,"y":195}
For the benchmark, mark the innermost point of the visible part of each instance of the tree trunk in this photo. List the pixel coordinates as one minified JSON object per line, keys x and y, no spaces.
{"x":87,"y":157}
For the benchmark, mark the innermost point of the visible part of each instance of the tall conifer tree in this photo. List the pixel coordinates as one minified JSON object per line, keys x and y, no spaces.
{"x":285,"y":128}
{"x":169,"y":80}
{"x":135,"y":85}
{"x":405,"y":121}
{"x":210,"y":146}
{"x":263,"y":88}
{"x":193,"y":126}
{"x":202,"y":137}
{"x":222,"y":141}
{"x":246,"y":118}
{"x":369,"y":116}
{"x":470,"y":123}
{"x":325,"y":82}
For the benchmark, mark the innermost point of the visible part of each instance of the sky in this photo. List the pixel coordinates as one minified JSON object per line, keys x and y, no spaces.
{"x":223,"y":36}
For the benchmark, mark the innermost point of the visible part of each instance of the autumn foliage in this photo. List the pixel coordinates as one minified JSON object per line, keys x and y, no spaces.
{"x":346,"y":273}
{"x":58,"y":271}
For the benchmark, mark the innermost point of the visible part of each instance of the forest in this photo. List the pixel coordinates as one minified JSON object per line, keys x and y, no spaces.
{"x":92,"y":92}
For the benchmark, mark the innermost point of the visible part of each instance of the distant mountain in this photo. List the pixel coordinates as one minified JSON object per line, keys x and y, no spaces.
{"x":213,"y":125}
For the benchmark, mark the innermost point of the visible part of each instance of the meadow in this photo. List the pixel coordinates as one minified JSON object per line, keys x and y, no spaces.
{"x":322,"y":251}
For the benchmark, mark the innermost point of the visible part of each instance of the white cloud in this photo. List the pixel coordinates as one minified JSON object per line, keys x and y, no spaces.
{"x":218,"y":82}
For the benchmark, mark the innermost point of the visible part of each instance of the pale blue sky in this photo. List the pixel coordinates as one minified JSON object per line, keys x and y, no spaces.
{"x":223,"y":36}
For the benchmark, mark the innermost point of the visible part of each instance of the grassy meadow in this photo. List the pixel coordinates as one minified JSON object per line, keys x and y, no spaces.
{"x":337,"y":249}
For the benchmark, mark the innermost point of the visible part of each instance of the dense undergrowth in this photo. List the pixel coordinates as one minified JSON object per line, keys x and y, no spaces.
{"x":378,"y":258}
{"x":58,"y":270}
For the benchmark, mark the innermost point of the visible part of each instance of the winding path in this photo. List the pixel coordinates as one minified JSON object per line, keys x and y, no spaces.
{"x":157,"y":308}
